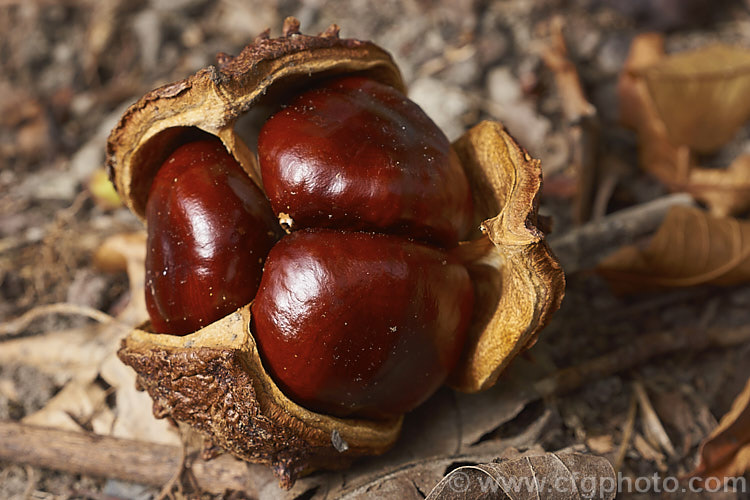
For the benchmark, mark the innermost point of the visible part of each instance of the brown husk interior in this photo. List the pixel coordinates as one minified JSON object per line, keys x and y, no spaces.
{"x":517,"y":280}
{"x":213,"y":379}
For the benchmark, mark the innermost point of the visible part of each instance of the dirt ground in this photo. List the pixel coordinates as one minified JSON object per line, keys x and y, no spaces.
{"x":70,"y":68}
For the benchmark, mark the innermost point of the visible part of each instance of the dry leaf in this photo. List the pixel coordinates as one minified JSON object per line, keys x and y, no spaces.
{"x":726,"y":191}
{"x":549,"y":476}
{"x":63,"y":354}
{"x":410,"y":481}
{"x":413,"y":479}
{"x":726,"y":451}
{"x":103,"y":191}
{"x":686,"y":103}
{"x":135,"y":419}
{"x":450,"y":427}
{"x":647,"y":451}
{"x":652,"y":427}
{"x":78,"y":353}
{"x":601,"y":445}
{"x":79,"y":406}
{"x":127,"y":252}
{"x":690,"y":248}
{"x":715,"y":80}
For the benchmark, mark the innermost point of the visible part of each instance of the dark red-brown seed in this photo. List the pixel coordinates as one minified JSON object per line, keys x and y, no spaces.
{"x":360,"y":324}
{"x":355,"y":154}
{"x":209,"y":231}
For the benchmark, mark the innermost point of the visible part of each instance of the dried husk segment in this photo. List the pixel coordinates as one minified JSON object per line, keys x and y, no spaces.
{"x":517,"y":280}
{"x":214,"y":379}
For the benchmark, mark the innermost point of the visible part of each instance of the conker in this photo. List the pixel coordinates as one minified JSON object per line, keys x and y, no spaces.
{"x":356,"y":154}
{"x":209,"y":231}
{"x":360,"y":324}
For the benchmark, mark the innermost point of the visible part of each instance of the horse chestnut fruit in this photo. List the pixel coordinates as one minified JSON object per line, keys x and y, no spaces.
{"x":209,"y":231}
{"x":360,"y":323}
{"x":364,"y":307}
{"x":356,"y":154}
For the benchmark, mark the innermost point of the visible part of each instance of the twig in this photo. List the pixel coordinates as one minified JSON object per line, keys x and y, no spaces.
{"x":652,"y":426}
{"x":583,"y":129}
{"x":17,"y":325}
{"x":104,"y":456}
{"x":30,"y":482}
{"x":636,"y":352}
{"x":611,"y":170}
{"x":176,"y":478}
{"x":627,"y":433}
{"x":583,"y":247}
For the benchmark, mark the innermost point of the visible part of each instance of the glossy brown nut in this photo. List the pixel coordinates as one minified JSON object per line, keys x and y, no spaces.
{"x":356,"y":154}
{"x":358,"y":323}
{"x":209,"y":231}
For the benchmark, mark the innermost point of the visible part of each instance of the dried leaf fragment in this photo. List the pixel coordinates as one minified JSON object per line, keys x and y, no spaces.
{"x":80,"y":405}
{"x":726,"y":452}
{"x":690,"y":248}
{"x":548,"y":475}
{"x":715,"y":80}
{"x":726,"y":191}
{"x":102,"y":190}
{"x":687,"y":103}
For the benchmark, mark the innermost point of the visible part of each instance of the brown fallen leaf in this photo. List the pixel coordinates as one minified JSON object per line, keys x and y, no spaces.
{"x":726,"y":451}
{"x":688,"y":103}
{"x":690,"y":248}
{"x":64,"y":354}
{"x":647,"y":451}
{"x":547,"y":475}
{"x":79,"y":352}
{"x":601,"y":445}
{"x":127,"y":252}
{"x":135,"y":419}
{"x":715,"y":80}
{"x":103,"y":191}
{"x":80,"y":405}
{"x":450,"y":427}
{"x":726,"y":191}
